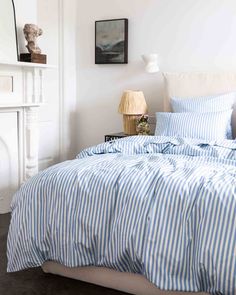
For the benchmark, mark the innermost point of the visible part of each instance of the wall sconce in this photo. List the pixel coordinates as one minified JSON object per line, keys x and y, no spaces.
{"x":151,"y":62}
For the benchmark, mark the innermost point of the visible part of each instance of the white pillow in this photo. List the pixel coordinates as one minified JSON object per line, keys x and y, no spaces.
{"x":208,"y":126}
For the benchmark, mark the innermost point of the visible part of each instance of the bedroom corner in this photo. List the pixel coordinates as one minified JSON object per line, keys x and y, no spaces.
{"x":88,"y":205}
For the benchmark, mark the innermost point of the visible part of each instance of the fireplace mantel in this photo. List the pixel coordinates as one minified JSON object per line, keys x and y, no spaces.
{"x":27,"y":65}
{"x":21,"y":95}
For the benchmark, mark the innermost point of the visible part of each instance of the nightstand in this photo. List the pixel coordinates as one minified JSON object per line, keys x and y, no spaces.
{"x":117,"y":135}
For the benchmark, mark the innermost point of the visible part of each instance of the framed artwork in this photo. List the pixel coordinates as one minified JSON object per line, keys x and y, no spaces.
{"x":111,"y":41}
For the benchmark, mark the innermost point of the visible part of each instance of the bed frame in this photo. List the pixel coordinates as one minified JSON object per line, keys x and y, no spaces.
{"x":105,"y":277}
{"x":176,"y":84}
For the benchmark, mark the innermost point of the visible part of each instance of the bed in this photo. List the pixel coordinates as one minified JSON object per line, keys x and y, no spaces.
{"x":144,"y":215}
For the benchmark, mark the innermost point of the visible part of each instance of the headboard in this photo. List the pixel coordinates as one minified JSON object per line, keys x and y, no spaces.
{"x":199,"y":84}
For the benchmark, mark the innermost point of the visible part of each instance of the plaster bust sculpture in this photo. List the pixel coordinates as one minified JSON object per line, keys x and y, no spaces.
{"x":32,"y":32}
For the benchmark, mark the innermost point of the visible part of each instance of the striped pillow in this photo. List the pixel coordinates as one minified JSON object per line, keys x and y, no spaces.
{"x":206,"y":104}
{"x":208,"y":126}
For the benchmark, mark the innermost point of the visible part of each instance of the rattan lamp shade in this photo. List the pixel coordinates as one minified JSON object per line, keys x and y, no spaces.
{"x":132,"y":105}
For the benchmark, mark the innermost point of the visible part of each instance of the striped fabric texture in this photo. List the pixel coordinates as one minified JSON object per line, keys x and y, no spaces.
{"x":207,"y":126}
{"x":159,"y":206}
{"x":205,"y":104}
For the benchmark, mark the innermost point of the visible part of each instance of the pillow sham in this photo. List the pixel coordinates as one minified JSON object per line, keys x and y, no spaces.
{"x":205,"y":104}
{"x":208,"y":126}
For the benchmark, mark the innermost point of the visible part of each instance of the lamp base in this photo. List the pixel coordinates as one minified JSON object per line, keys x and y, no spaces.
{"x":129,"y":123}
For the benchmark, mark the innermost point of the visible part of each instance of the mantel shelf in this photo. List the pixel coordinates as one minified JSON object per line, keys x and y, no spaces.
{"x":21,"y":105}
{"x":27,"y":64}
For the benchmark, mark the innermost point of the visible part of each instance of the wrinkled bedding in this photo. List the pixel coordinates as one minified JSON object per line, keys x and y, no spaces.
{"x":158,"y":206}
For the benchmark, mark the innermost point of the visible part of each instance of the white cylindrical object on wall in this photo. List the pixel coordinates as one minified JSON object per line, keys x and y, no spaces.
{"x":151,"y":61}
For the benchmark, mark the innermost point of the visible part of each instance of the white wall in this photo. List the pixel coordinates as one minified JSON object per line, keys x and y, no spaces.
{"x":188,"y":35}
{"x":26,"y":12}
{"x":40,"y":13}
{"x":57,"y":127}
{"x":49,"y":113}
{"x":57,"y":139}
{"x":68,"y":78}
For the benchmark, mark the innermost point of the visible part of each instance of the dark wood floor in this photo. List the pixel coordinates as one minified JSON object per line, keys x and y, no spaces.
{"x":34,"y":281}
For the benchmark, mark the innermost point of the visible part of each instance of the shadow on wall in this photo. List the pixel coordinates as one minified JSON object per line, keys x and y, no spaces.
{"x":73,"y":137}
{"x":95,"y":122}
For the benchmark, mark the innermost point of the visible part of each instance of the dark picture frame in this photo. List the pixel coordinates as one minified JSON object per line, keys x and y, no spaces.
{"x":111,"y":41}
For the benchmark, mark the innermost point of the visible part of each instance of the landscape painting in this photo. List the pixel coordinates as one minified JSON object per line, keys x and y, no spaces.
{"x":111,"y":41}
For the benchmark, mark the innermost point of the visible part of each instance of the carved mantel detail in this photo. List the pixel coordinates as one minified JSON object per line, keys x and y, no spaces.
{"x":32,"y":139}
{"x":33,"y":85}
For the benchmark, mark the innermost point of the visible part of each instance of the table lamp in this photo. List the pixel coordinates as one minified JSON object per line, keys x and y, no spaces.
{"x":132,"y":106}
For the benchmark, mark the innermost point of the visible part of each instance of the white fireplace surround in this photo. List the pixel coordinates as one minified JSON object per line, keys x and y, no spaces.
{"x":39,"y":102}
{"x":21,"y":94}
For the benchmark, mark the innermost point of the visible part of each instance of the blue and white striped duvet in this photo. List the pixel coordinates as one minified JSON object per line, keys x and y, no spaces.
{"x":159,"y":206}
